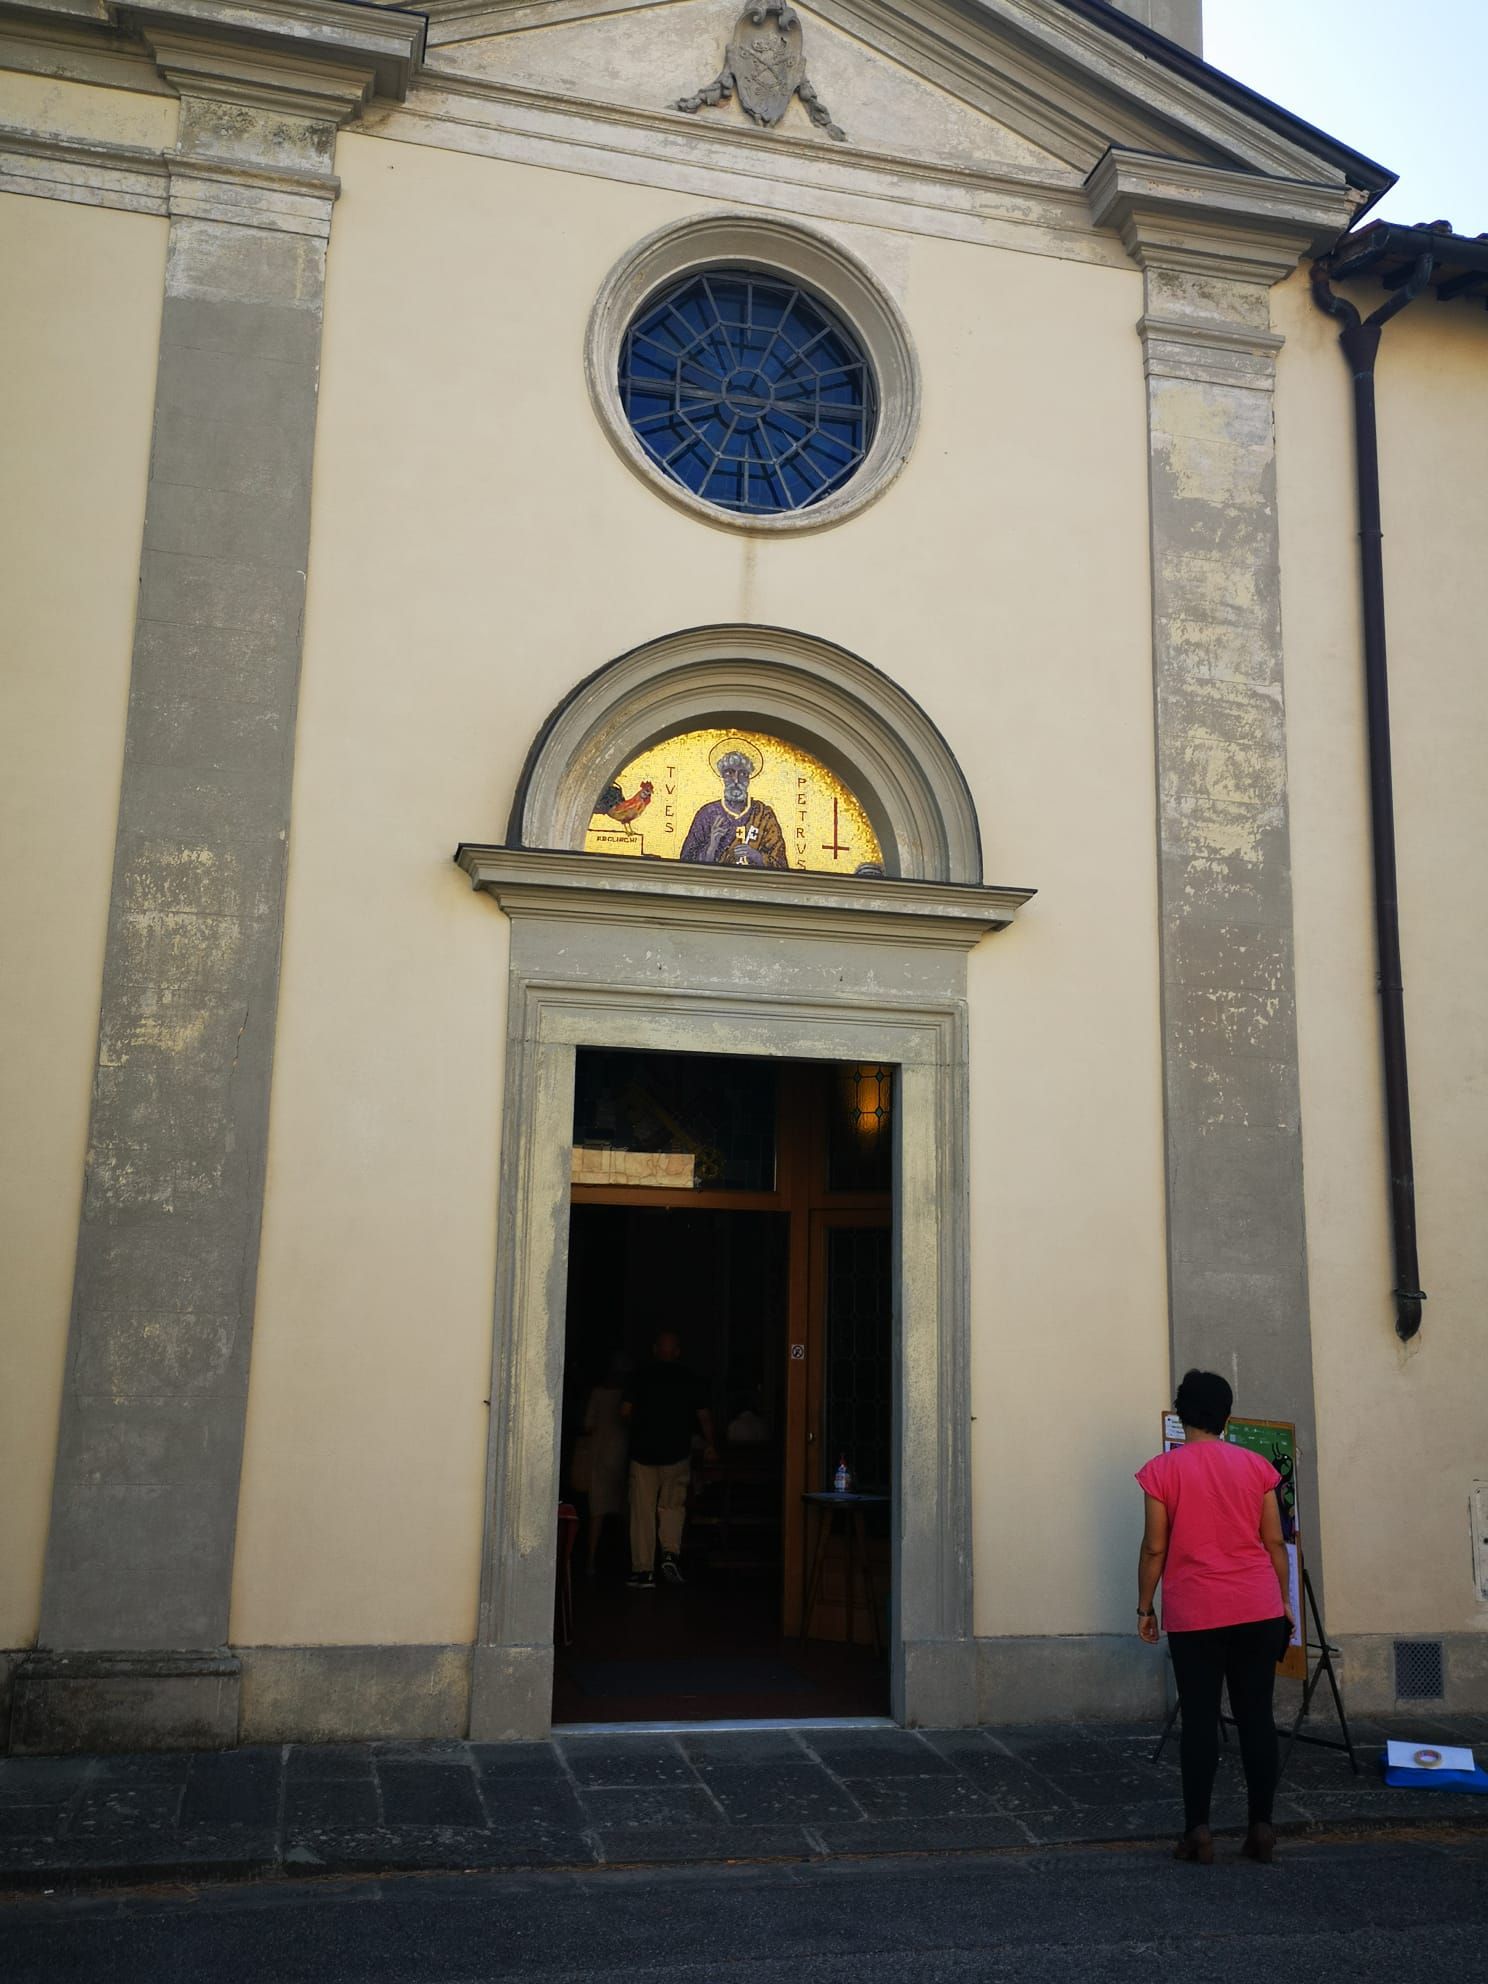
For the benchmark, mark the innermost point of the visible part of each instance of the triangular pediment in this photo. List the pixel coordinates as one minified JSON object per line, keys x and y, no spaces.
{"x":1032,"y":87}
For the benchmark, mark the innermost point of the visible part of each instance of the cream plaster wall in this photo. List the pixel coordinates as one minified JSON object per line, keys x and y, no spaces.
{"x":80,"y":327}
{"x":1402,"y":1430}
{"x":79,"y":110}
{"x":477,"y":548}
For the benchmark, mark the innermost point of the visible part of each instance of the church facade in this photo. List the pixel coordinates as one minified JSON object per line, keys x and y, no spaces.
{"x":819,"y":534}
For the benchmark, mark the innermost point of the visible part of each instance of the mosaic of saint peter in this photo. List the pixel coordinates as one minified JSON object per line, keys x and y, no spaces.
{"x":735,"y":831}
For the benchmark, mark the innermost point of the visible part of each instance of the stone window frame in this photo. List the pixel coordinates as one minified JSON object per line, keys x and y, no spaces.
{"x":798,"y":255}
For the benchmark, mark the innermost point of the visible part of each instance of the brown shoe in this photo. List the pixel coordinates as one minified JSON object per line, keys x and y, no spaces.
{"x":1196,"y":1845}
{"x":1260,"y":1843}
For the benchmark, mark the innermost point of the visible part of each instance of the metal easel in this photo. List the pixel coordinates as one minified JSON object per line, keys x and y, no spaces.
{"x":1325,"y":1651}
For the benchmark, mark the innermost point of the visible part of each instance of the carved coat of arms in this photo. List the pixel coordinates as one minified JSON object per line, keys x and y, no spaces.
{"x":768,"y":61}
{"x":766,"y":65}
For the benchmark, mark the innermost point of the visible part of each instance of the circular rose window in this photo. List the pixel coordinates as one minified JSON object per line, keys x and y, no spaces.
{"x":748,"y":391}
{"x":755,"y":373}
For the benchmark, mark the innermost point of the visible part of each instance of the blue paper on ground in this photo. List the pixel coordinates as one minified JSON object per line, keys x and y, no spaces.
{"x":1431,"y":1767}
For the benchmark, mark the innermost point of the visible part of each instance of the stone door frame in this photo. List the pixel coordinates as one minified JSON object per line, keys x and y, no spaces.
{"x":798,"y":968}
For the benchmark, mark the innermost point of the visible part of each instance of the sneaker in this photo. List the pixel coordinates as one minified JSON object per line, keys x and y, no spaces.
{"x":641,"y":1581}
{"x":671,"y":1568}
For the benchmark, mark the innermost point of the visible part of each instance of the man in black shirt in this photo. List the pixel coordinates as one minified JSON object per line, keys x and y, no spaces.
{"x":664,"y":1404}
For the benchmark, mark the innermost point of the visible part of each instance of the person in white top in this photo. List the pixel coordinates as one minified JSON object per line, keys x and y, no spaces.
{"x":606,"y":1438}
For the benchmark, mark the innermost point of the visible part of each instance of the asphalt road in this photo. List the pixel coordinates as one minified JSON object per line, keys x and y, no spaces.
{"x":1405,"y":1908}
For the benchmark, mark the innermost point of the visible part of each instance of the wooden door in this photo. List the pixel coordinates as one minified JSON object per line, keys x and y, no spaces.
{"x":832,"y":1183}
{"x":849,"y":1405}
{"x":841,"y":1232}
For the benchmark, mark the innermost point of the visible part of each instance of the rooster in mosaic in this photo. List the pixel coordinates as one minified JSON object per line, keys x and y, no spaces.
{"x":615,"y":806}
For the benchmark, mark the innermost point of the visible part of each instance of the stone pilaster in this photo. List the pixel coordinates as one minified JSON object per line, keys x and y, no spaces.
{"x":139,"y":1561}
{"x":1211,"y":245}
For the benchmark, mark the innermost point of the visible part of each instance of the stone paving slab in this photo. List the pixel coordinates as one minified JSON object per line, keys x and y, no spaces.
{"x":651,"y":1799}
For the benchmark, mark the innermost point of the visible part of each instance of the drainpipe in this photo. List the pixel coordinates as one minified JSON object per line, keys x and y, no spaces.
{"x":1360,"y":338}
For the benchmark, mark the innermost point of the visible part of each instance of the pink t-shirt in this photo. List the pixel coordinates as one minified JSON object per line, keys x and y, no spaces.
{"x":1218,"y":1572}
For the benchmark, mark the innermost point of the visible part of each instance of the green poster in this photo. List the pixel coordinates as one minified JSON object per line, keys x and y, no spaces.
{"x":1276,"y":1441}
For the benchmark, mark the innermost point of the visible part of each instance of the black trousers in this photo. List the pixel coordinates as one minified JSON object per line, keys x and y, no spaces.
{"x":1242,"y":1659}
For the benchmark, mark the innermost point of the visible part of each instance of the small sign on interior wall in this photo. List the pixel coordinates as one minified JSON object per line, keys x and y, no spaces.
{"x":662,"y":1170}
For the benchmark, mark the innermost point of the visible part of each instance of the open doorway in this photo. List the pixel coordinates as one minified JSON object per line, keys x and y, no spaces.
{"x":743,"y":1209}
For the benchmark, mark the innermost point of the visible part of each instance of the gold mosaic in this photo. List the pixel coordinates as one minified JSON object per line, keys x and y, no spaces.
{"x":733,"y":799}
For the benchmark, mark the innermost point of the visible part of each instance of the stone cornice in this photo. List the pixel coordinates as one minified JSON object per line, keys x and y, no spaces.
{"x":757,"y":902}
{"x":130,"y":178}
{"x":388,"y":41}
{"x":209,"y":65}
{"x":1066,"y":82}
{"x":1028,"y":209}
{"x":1173,"y":214}
{"x":135,"y":179}
{"x":1221,"y":353}
{"x":669,"y":126}
{"x":77,"y":51}
{"x":314,"y":37}
{"x":1217,"y":336}
{"x":502,"y":17}
{"x":240,"y":195}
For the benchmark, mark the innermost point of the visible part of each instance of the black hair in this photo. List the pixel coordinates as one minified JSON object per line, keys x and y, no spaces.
{"x":1204,"y":1400}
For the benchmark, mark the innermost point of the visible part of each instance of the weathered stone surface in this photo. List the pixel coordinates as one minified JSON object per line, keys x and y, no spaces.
{"x":1368,"y":1670}
{"x":940,"y":1683}
{"x":1211,"y":246}
{"x":1067,"y":1678}
{"x":1236,"y":1241}
{"x":341,"y":1694}
{"x":1180,"y":20}
{"x":69,"y":1704}
{"x":145,"y":1493}
{"x":511,"y":1693}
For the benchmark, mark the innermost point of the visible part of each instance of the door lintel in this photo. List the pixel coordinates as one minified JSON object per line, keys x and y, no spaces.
{"x":610,"y":888}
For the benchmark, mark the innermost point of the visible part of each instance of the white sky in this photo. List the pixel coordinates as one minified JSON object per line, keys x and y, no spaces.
{"x":1402,"y":81}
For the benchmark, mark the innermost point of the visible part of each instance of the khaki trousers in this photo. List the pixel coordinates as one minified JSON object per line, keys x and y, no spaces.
{"x":656,"y":1492}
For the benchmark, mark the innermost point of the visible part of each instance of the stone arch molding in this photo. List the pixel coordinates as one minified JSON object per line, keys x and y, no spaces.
{"x":795,"y":686}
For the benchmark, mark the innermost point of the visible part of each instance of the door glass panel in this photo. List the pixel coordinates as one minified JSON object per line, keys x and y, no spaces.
{"x":860,"y":1135}
{"x":858,"y":1356}
{"x":716,"y":1114}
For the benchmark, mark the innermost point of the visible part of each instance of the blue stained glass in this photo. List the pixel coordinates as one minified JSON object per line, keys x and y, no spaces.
{"x":748,"y":392}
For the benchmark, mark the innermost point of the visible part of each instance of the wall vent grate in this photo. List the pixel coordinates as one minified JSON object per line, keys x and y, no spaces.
{"x":1419,"y":1671}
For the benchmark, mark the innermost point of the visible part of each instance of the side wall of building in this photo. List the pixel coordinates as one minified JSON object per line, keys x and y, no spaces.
{"x":478,"y":548}
{"x":1401,"y":1427}
{"x":79,"y":325}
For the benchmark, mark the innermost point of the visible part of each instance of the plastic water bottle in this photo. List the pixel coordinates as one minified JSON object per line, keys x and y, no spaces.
{"x":841,"y":1480}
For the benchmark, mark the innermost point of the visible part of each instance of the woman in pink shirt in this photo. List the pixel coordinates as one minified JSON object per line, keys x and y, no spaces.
{"x":1213,"y":1536}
